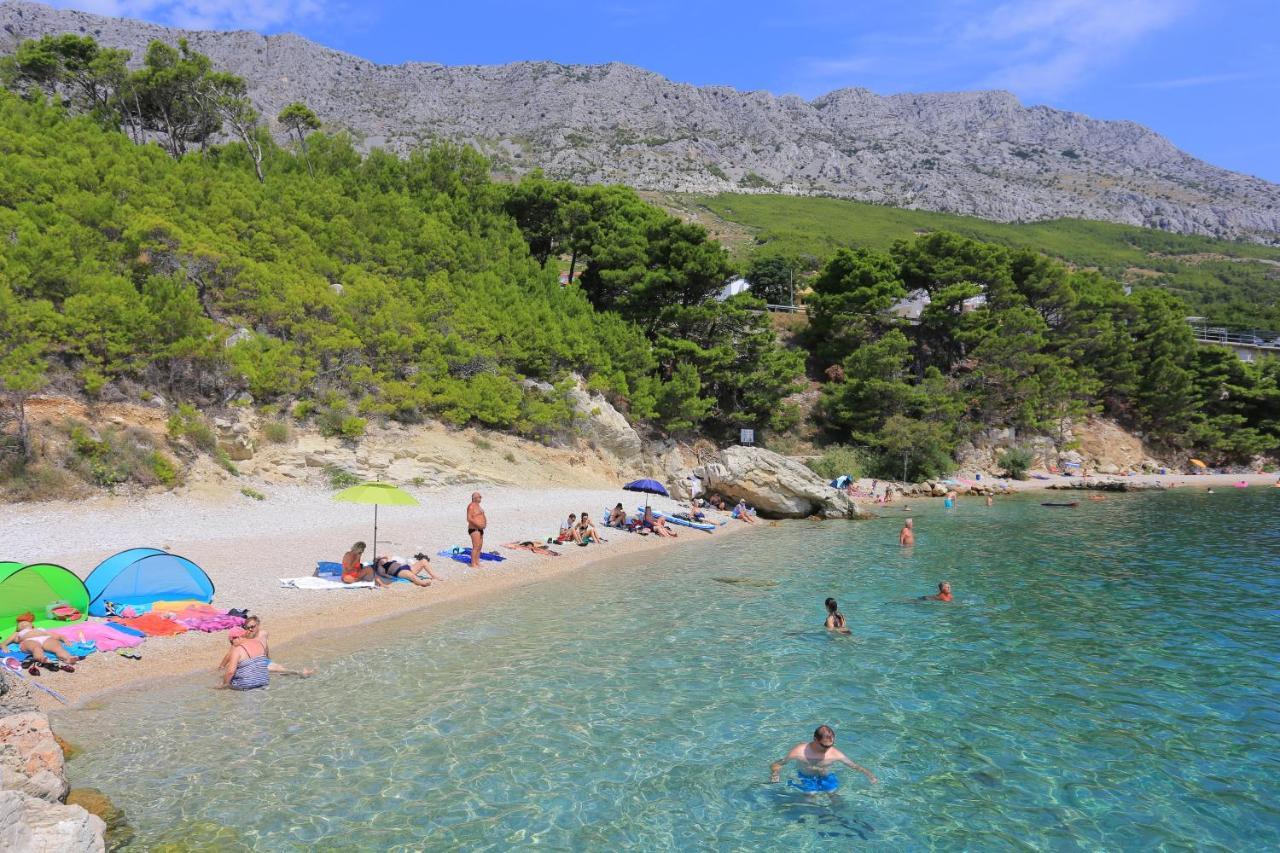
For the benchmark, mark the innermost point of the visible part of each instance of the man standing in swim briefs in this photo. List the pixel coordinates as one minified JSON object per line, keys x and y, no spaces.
{"x":815,"y":759}
{"x":476,"y":523}
{"x":908,"y":534}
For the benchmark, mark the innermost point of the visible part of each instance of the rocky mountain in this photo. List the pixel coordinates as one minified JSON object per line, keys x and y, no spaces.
{"x":978,"y":153}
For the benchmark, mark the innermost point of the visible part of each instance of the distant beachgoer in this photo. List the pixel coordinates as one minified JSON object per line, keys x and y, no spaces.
{"x":742,"y":512}
{"x":587,"y":530}
{"x":422,"y":563}
{"x":38,"y":643}
{"x":990,"y":501}
{"x":353,"y":570}
{"x":718,"y":502}
{"x":1097,"y":497}
{"x":476,"y":523}
{"x":1209,"y":490}
{"x":396,"y":567}
{"x":907,"y":536}
{"x":660,"y":527}
{"x":617,"y":516}
{"x":944,"y":593}
{"x":835,"y":619}
{"x":568,"y":530}
{"x":815,"y":759}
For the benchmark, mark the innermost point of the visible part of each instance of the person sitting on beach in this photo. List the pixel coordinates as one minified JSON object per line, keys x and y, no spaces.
{"x":742,"y":512}
{"x":353,"y":570}
{"x":395,"y":567}
{"x":835,"y":619}
{"x":907,"y":536}
{"x":815,"y":759}
{"x":253,"y":630}
{"x":617,"y":517}
{"x":944,"y":593}
{"x":568,"y":530}
{"x":38,"y":643}
{"x":243,"y":665}
{"x":654,"y":522}
{"x":717,"y":502}
{"x":586,"y":532}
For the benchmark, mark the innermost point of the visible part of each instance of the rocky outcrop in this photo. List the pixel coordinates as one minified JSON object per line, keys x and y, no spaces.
{"x":978,"y":153}
{"x":776,"y":486}
{"x":33,"y":818}
{"x":604,"y":426}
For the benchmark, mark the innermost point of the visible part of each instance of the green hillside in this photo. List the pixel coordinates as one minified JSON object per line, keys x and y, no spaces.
{"x":1229,"y":282}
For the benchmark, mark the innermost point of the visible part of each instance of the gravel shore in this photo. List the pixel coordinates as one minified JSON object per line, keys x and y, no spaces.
{"x":246,"y":546}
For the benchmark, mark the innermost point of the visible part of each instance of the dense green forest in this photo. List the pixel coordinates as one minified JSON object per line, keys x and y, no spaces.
{"x":1229,"y":283}
{"x":342,"y":285}
{"x":140,"y":255}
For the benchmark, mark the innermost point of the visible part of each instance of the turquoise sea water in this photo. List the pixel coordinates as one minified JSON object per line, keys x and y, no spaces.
{"x":1106,"y":679}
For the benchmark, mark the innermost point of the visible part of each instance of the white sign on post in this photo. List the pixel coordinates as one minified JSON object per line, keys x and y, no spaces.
{"x":746,"y":436}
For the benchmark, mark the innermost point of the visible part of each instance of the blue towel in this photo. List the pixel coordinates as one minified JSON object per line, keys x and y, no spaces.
{"x":12,"y":651}
{"x":465,"y":555}
{"x":125,"y":629}
{"x":324,"y":567}
{"x":81,"y":650}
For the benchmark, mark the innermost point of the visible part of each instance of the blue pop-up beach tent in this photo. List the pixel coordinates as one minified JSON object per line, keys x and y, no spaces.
{"x":145,"y":576}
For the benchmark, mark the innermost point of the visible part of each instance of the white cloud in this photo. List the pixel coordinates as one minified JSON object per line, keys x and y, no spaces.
{"x":1202,"y":80}
{"x":205,"y":14}
{"x":1055,"y":44}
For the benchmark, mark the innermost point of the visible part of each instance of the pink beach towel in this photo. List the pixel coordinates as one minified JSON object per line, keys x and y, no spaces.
{"x":107,"y":638}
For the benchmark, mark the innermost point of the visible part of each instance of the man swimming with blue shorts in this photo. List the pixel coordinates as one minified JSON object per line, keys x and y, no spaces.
{"x":815,"y":759}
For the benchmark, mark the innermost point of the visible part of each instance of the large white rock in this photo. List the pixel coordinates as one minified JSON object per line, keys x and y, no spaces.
{"x":776,"y":486}
{"x":30,"y":759}
{"x":33,"y":825}
{"x":604,"y":425}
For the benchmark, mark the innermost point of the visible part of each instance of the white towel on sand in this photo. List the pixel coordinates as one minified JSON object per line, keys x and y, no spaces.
{"x":312,"y":582}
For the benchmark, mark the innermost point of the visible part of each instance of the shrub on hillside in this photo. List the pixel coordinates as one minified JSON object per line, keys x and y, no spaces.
{"x":838,"y":460}
{"x":1016,"y":461}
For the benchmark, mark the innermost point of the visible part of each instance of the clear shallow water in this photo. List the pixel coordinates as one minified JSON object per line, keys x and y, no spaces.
{"x":1107,"y":679}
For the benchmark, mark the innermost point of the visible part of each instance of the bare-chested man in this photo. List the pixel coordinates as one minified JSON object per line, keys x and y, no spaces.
{"x":908,"y":534}
{"x":476,"y":523}
{"x":816,"y":759}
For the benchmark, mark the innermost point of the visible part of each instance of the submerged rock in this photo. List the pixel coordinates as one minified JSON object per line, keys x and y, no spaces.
{"x":776,"y":486}
{"x":97,"y":803}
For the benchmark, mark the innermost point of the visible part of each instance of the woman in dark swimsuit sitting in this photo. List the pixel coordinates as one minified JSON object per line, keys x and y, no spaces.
{"x":835,"y":619}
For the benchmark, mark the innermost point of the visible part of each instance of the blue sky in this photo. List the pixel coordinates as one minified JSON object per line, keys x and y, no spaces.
{"x":1205,"y":74}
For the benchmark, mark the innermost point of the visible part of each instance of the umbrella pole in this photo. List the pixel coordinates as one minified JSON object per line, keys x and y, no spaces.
{"x":375,"y":535}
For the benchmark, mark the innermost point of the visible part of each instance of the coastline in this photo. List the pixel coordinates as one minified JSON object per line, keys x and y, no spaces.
{"x":246,"y":546}
{"x":223,"y":533}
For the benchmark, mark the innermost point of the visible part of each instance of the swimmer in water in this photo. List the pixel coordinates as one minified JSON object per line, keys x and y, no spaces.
{"x":815,"y":759}
{"x":907,"y":536}
{"x":835,"y":619}
{"x":944,"y":593}
{"x":989,"y":500}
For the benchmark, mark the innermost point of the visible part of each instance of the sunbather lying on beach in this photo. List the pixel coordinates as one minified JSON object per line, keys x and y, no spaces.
{"x":536,"y":547}
{"x":38,"y":643}
{"x":353,"y":570}
{"x":395,"y":567}
{"x":657,"y":524}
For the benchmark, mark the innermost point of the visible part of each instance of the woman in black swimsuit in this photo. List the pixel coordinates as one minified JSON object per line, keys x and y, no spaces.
{"x":835,"y":619}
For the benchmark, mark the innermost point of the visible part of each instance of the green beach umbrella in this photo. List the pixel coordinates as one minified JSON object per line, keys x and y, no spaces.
{"x":378,"y":494}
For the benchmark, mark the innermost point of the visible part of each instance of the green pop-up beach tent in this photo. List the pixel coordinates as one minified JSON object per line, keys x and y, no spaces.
{"x":34,"y":587}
